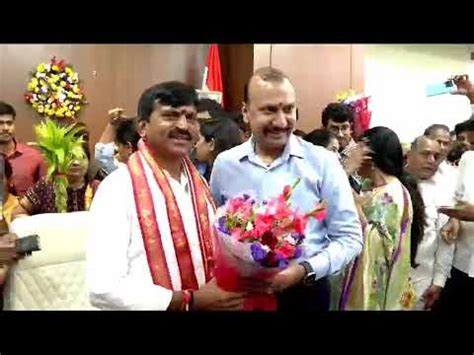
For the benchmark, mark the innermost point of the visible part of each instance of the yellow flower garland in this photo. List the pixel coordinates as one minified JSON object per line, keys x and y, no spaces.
{"x":54,"y":91}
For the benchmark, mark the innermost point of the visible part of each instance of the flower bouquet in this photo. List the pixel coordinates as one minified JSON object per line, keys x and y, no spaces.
{"x":256,"y":240}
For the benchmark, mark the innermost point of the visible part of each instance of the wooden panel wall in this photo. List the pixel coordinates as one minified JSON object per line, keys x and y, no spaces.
{"x":237,"y":67}
{"x":112,"y":75}
{"x":318,"y":72}
{"x":116,"y":75}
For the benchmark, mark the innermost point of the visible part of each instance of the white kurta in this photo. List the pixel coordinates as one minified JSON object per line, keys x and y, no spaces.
{"x":118,"y":274}
{"x":464,"y":254}
{"x":434,"y":256}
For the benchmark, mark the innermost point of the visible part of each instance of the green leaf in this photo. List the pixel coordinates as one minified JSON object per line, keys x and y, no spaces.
{"x":60,"y":154}
{"x":77,"y":152}
{"x":60,"y":146}
{"x":51,"y":170}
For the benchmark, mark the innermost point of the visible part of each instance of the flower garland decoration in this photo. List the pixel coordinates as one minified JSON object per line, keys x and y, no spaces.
{"x":54,"y":90}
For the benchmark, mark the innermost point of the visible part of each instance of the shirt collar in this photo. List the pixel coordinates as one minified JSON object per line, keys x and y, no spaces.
{"x":19,"y":148}
{"x":292,"y":148}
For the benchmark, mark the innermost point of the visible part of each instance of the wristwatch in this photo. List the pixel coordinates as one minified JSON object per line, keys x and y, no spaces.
{"x":310,"y":276}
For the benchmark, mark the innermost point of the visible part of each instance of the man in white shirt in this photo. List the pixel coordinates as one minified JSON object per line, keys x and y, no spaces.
{"x":460,"y":288}
{"x":151,"y":246}
{"x":434,"y":256}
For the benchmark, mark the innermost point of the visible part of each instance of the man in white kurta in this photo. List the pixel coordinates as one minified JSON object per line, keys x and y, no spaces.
{"x":125,"y":283}
{"x":150,"y":248}
{"x":434,"y":256}
{"x":459,"y":293}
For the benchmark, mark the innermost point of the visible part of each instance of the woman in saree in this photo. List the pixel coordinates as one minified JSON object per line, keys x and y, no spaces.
{"x":392,"y":215}
{"x":40,"y":198}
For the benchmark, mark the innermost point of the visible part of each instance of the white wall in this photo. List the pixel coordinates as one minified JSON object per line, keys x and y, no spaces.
{"x":396,"y":77}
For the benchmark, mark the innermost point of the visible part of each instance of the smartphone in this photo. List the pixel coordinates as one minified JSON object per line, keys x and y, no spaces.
{"x":447,"y":87}
{"x":28,"y":244}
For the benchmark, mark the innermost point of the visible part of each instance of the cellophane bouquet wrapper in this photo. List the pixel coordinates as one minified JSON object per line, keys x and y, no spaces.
{"x":234,"y":264}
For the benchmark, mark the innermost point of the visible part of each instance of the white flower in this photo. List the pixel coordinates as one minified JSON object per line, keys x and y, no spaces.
{"x":249,"y":227}
{"x":47,"y":67}
{"x":266,"y":248}
{"x":290,"y":239}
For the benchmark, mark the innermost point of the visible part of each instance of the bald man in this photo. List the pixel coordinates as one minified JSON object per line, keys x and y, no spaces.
{"x":434,"y":256}
{"x":275,"y":157}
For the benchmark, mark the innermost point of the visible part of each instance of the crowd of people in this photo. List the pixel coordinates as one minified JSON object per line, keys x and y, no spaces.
{"x":398,"y":234}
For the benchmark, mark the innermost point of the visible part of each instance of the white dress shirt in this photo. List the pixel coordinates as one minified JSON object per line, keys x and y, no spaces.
{"x":446,"y":171}
{"x":464,"y":252}
{"x":434,"y":256}
{"x":118,"y":274}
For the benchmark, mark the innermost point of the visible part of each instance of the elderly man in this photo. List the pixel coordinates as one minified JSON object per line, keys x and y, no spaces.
{"x":434,"y":256}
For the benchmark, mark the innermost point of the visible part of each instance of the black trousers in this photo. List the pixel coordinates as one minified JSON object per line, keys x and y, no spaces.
{"x":458,"y":293}
{"x":301,"y":298}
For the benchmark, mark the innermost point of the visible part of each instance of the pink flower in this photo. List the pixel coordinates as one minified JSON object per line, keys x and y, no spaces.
{"x":319,"y":212}
{"x":239,"y":203}
{"x":263,"y":224}
{"x":279,"y":208}
{"x":286,"y":192}
{"x":286,"y":250}
{"x":299,"y":223}
{"x":320,"y":215}
{"x":237,"y":233}
{"x":235,"y":204}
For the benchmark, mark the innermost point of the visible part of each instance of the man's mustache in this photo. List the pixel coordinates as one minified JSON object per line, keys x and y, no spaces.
{"x":180,"y":134}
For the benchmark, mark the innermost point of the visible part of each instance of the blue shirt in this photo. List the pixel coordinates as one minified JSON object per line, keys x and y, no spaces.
{"x":105,"y":156}
{"x":330,"y":244}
